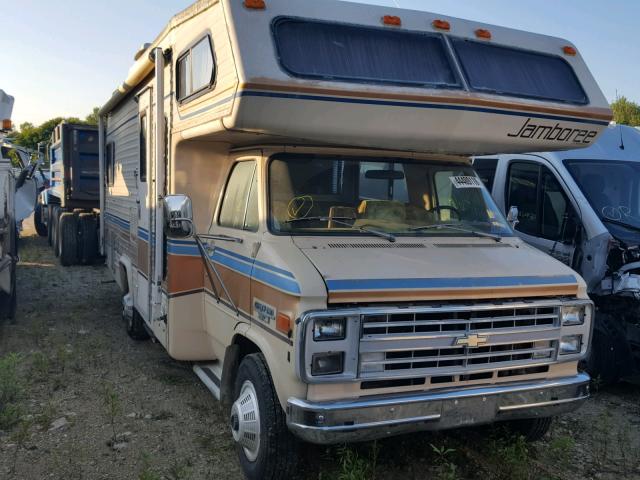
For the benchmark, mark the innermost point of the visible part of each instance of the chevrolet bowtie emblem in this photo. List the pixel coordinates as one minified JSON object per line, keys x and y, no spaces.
{"x":471,"y":341}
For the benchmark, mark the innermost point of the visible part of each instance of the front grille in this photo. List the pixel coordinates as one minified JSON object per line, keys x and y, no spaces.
{"x":458,"y":340}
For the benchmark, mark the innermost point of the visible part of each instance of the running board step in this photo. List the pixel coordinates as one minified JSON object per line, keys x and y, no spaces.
{"x":210,"y":374}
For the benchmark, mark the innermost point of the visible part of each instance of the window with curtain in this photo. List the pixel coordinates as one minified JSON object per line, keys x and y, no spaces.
{"x":510,"y":71}
{"x":354,"y":53}
{"x":195,"y":69}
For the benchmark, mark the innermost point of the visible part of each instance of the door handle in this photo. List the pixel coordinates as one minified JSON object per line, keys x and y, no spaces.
{"x":222,"y":238}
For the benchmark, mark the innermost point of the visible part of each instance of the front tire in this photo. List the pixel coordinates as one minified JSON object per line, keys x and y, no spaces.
{"x":266,"y":449}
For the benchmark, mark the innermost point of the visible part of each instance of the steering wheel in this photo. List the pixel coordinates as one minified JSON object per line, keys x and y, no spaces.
{"x":439,"y":208}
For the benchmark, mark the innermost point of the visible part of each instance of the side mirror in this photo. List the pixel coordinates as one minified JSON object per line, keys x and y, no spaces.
{"x":512,"y":216}
{"x":178,"y":216}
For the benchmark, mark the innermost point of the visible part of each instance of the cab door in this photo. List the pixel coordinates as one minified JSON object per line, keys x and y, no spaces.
{"x":548,"y":219}
{"x":232,"y":244}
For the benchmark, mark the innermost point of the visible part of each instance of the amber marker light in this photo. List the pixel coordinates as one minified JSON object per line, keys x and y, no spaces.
{"x":255,"y":4}
{"x":392,"y":20}
{"x":441,"y":25}
{"x":483,"y":33}
{"x":6,"y":124}
{"x":283,"y":323}
{"x":569,"y":50}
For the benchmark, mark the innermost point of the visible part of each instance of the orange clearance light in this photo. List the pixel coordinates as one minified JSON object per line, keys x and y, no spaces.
{"x":569,"y":50}
{"x":6,"y":124}
{"x":255,"y":4}
{"x":283,"y":323}
{"x":392,"y":20}
{"x":482,"y":33}
{"x":441,"y":25}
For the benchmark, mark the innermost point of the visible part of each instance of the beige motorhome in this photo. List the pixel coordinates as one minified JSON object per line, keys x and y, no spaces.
{"x":288,"y":202}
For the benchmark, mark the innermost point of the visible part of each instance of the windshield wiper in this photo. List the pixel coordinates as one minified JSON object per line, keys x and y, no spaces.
{"x":439,"y":226}
{"x":621,"y":224}
{"x":341,"y":221}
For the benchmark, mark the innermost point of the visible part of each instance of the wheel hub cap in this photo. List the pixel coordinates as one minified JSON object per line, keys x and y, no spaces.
{"x":245,"y":421}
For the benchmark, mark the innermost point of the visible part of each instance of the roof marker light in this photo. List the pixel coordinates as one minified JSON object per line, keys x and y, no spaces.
{"x":441,"y":25}
{"x":6,"y":124}
{"x":483,"y":33}
{"x":392,"y":20}
{"x":255,"y":4}
{"x":569,"y":50}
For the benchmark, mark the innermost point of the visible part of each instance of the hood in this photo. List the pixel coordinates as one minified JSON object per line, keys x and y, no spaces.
{"x":359,"y":270}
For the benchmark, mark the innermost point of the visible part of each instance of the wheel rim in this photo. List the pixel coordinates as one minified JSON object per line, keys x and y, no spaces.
{"x":245,"y":421}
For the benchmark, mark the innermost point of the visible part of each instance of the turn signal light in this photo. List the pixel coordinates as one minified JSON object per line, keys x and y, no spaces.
{"x":482,"y":33}
{"x":283,"y":323}
{"x":392,"y":20}
{"x":569,"y":50}
{"x":441,"y":25}
{"x":255,"y":4}
{"x":6,"y":124}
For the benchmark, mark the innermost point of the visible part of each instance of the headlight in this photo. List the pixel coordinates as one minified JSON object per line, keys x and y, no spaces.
{"x":327,"y":363}
{"x":572,"y":315}
{"x":570,"y":344}
{"x":325,"y":329}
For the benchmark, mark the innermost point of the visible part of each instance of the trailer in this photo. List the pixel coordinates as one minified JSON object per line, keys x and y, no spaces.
{"x":68,"y":211}
{"x":288,"y":202}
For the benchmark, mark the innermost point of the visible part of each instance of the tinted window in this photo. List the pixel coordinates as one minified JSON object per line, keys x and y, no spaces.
{"x":523,"y":193}
{"x":508,"y":71}
{"x":110,"y":169}
{"x":143,"y":149}
{"x":353,"y":53}
{"x":486,"y":170}
{"x":544,"y":209}
{"x":235,"y":205}
{"x":196,"y":69}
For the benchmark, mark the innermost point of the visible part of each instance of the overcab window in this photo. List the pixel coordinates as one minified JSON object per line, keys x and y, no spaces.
{"x":196,"y":69}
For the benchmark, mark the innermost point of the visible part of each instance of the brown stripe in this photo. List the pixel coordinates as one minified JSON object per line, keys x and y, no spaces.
{"x":461,"y":294}
{"x":604,"y":114}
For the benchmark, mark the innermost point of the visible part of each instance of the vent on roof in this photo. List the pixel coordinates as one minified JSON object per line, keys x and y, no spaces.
{"x":377,"y":245}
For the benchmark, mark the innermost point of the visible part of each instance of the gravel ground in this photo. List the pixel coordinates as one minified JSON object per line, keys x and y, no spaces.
{"x":89,"y":403}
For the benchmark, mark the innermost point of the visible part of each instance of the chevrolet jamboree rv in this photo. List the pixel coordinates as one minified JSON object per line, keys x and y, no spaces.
{"x":289,"y":203}
{"x":583,"y":207}
{"x":67,"y":211}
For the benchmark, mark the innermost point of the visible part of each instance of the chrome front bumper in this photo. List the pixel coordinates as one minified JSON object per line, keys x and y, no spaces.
{"x":377,"y":417}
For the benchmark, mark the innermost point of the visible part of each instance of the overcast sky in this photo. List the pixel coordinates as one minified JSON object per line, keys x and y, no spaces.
{"x":63,"y":57}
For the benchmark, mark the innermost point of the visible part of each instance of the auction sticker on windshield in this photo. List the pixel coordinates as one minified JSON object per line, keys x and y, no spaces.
{"x":465,"y":181}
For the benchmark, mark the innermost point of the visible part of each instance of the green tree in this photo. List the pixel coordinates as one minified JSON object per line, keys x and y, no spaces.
{"x":92,"y":118}
{"x":626,"y":112}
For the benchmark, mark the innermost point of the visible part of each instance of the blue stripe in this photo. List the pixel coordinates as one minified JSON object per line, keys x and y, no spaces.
{"x":286,"y":284}
{"x":257,"y":262}
{"x":435,"y":106}
{"x":428,"y":283}
{"x":116,"y":220}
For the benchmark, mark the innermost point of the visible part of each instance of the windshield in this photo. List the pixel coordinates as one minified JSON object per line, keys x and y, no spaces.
{"x":324,"y":195}
{"x":612,"y":188}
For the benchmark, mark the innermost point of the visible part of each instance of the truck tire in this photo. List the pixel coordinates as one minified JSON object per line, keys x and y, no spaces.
{"x":55,"y":230}
{"x":8,"y":301}
{"x":266,"y":448}
{"x":87,"y":238}
{"x":135,"y":327}
{"x":41,"y":227}
{"x":532,"y":429}
{"x":68,"y":239}
{"x":50,"y":225}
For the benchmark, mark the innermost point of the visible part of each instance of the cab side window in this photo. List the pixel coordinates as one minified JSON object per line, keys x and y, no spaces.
{"x":486,"y":170}
{"x":544,"y":209}
{"x":240,"y":203}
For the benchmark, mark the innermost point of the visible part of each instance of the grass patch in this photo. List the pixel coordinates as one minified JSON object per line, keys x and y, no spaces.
{"x":11,"y":390}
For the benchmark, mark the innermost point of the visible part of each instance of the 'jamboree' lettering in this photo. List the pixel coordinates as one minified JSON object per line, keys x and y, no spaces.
{"x":555,"y":132}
